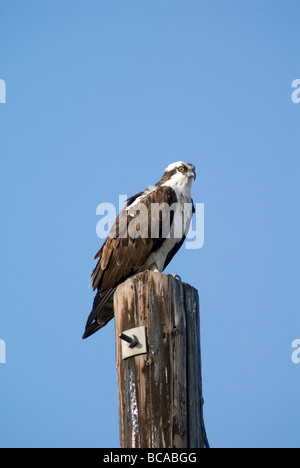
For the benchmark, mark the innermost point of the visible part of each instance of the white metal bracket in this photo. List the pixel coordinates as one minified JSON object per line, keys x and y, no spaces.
{"x":134,"y":342}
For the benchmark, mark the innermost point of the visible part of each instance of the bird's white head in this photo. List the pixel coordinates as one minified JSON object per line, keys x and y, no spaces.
{"x":179,"y":175}
{"x":182,"y":168}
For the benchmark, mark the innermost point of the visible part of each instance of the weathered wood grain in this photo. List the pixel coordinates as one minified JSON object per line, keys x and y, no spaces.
{"x":160,"y":393}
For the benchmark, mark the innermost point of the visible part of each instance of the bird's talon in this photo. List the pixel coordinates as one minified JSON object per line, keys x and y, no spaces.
{"x":174,"y":275}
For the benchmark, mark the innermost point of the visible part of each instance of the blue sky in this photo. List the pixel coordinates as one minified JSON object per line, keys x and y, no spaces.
{"x":101,"y":97}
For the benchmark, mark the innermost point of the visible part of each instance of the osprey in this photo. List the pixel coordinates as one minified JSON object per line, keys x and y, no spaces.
{"x":145,"y":236}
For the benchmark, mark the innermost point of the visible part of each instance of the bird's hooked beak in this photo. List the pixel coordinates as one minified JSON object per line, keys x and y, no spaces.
{"x":193,"y":173}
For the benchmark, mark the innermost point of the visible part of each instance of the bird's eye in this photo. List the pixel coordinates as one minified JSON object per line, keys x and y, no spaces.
{"x":181,"y":169}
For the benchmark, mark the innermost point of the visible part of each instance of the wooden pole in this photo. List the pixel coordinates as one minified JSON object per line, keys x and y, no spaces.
{"x":160,"y":393}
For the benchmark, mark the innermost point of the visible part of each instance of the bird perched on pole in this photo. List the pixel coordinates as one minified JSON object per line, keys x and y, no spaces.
{"x":145,"y":236}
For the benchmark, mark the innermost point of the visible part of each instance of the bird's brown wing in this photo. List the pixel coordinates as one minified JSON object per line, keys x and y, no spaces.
{"x":122,"y":255}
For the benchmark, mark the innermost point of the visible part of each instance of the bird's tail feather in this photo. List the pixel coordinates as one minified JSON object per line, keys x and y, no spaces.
{"x":101,"y":314}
